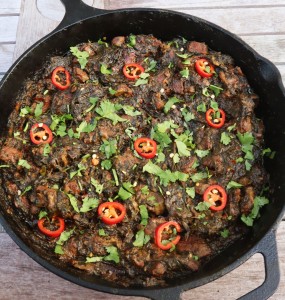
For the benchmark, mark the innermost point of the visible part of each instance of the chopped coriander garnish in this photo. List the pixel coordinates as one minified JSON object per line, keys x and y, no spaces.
{"x":203,"y":206}
{"x":215,"y":89}
{"x":100,"y":42}
{"x":185,"y":73}
{"x":65,"y":235}
{"x":104,"y":70}
{"x":112,"y":91}
{"x":115,"y":177}
{"x":28,"y":188}
{"x":102,"y":232}
{"x":225,"y":233}
{"x":202,"y":153}
{"x":144,"y":214}
{"x":109,"y":148}
{"x":98,"y":187}
{"x":39,"y":109}
{"x":42,"y":214}
{"x":170,"y":103}
{"x":141,"y":238}
{"x":225,"y":138}
{"x":89,"y":204}
{"x":191,"y":192}
{"x":113,"y":254}
{"x":82,"y":56}
{"x":47,"y":149}
{"x":259,"y":202}
{"x":233,"y":185}
{"x":201,"y":107}
{"x":108,"y":110}
{"x":73,"y":202}
{"x":198,"y":176}
{"x":106,"y":164}
{"x":143,"y":79}
{"x":23,"y":163}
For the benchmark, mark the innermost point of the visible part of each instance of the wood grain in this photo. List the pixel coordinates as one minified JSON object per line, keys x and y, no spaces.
{"x":10,"y":6}
{"x":170,"y":4}
{"x":8,"y":28}
{"x":33,"y":281}
{"x":6,"y":56}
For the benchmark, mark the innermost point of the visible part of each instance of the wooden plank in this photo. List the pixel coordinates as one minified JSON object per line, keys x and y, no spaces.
{"x":8,"y":28}
{"x":54,"y":9}
{"x":10,"y":7}
{"x":6,"y":56}
{"x":33,"y":281}
{"x":170,"y":4}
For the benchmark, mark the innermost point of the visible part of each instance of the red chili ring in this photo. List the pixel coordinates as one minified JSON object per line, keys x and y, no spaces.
{"x":40,"y":134}
{"x":108,"y":211}
{"x":133,"y":71}
{"x":215,"y":193}
{"x":48,"y":232}
{"x":158,"y":237}
{"x":200,"y":66}
{"x":145,"y":147}
{"x":56,"y":79}
{"x":221,"y":121}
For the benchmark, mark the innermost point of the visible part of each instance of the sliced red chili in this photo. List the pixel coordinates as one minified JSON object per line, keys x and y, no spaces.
{"x":111,"y":212}
{"x":145,"y":147}
{"x":214,"y":120}
{"x":40,"y":134}
{"x":204,"y":68}
{"x":166,"y":235}
{"x":60,"y":77}
{"x":133,"y":71}
{"x":217,"y":196}
{"x":53,"y":227}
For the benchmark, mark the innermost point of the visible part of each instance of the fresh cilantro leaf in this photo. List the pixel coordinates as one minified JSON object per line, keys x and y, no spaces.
{"x":82,"y":56}
{"x":113,"y":254}
{"x":129,"y":110}
{"x":89,"y":204}
{"x":171,"y":101}
{"x":123,"y":194}
{"x":97,"y":185}
{"x":188,"y":116}
{"x":185,"y":73}
{"x":100,"y":42}
{"x":225,"y":233}
{"x":4,"y":166}
{"x":182,"y":55}
{"x":108,"y":110}
{"x":233,"y":185}
{"x":23,"y":163}
{"x":73,"y":202}
{"x":248,"y":165}
{"x":191,"y":192}
{"x":201,"y":107}
{"x":94,"y":259}
{"x":205,"y":92}
{"x":142,"y":80}
{"x":151,"y":67}
{"x":112,"y":92}
{"x":215,"y":89}
{"x":144,"y":214}
{"x":163,"y":127}
{"x":160,"y":157}
{"x":232,"y":127}
{"x":47,"y":149}
{"x":42,"y":214}
{"x":106,"y":164}
{"x":202,"y":153}
{"x":109,"y":148}
{"x":28,"y":188}
{"x":225,"y":138}
{"x":246,"y":138}
{"x":176,"y":158}
{"x":102,"y":232}
{"x":203,"y":206}
{"x":129,"y":187}
{"x":39,"y":109}
{"x":182,"y":148}
{"x":78,"y":171}
{"x":165,"y":176}
{"x":141,"y":238}
{"x":115,"y":177}
{"x":104,"y":70}
{"x":93,"y":101}
{"x":65,"y":235}
{"x":198,"y":176}
{"x":25,"y":111}
{"x":258,"y":203}
{"x":145,"y":190}
{"x":132,"y":40}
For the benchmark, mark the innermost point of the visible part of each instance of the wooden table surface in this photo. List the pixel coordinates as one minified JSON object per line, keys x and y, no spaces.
{"x":261,"y":23}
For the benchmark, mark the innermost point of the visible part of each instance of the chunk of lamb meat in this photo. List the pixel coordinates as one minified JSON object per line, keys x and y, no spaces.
{"x":10,"y":155}
{"x":197,"y":47}
{"x":195,"y":245}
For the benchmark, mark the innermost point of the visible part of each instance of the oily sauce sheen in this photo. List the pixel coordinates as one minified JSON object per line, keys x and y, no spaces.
{"x":164,"y":225}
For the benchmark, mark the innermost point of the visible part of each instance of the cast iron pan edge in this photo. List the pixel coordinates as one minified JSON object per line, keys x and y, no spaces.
{"x":77,"y":11}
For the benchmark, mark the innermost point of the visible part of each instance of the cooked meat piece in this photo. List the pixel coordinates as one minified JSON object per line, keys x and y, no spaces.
{"x":197,"y":47}
{"x":10,"y":155}
{"x":118,"y":41}
{"x":81,"y":75}
{"x":195,"y":245}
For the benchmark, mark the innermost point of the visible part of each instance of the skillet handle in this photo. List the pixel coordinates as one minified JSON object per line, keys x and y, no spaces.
{"x":76,"y":10}
{"x":268,"y":249}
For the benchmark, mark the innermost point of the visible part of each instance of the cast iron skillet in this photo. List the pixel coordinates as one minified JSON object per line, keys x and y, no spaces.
{"x":82,"y":23}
